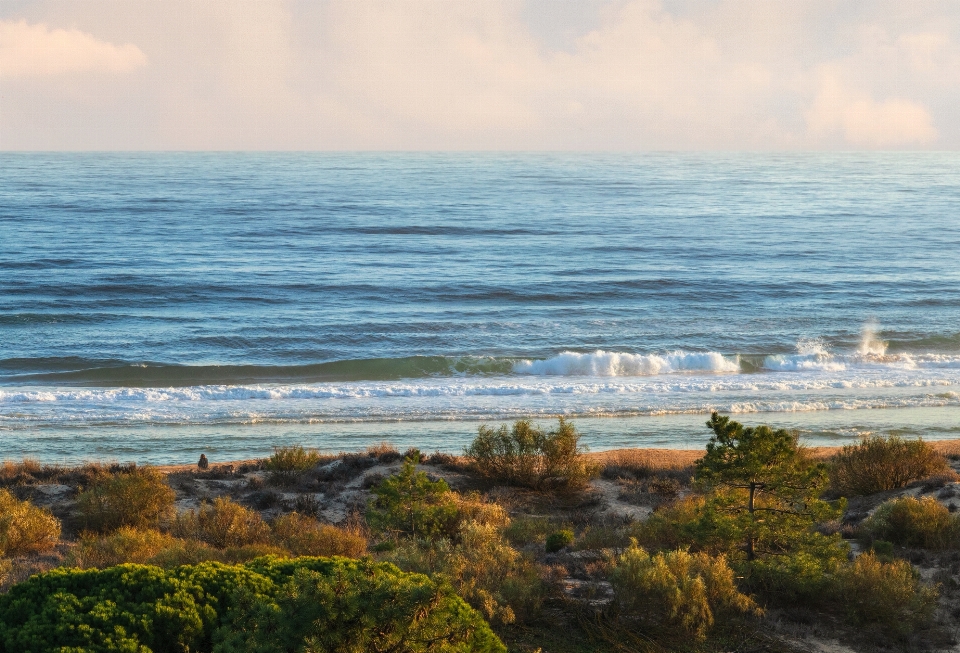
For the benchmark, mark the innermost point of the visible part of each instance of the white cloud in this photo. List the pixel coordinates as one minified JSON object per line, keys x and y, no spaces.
{"x":865,"y":122}
{"x":36,"y":50}
{"x":457,"y":74}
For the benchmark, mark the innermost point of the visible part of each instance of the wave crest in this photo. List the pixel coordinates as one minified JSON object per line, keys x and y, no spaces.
{"x":608,"y":363}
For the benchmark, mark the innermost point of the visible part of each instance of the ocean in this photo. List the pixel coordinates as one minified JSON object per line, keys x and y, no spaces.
{"x":154,"y":306}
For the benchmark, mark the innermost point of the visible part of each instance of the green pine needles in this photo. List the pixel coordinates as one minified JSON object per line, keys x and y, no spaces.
{"x":333,"y":605}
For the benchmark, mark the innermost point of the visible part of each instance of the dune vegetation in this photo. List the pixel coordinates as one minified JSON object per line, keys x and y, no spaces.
{"x":526,"y":542}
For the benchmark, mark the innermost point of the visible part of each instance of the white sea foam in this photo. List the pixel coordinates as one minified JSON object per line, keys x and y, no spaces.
{"x":608,"y":363}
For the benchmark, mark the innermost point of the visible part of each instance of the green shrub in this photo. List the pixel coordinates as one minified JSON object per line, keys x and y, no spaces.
{"x":558,"y":540}
{"x":266,"y":605}
{"x":305,"y":536}
{"x":345,"y":606}
{"x":410,"y":504}
{"x":292,"y":459}
{"x":129,"y":608}
{"x":493,"y":577}
{"x":888,"y":596}
{"x":908,"y":521}
{"x":25,"y":528}
{"x":877,"y":464}
{"x":139,"y":498}
{"x":677,"y":589}
{"x":526,"y":530}
{"x":222,"y":524}
{"x":527,"y":456}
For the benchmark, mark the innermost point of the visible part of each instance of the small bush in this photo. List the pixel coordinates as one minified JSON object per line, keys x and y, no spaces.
{"x":25,"y":528}
{"x":385,"y":452}
{"x":877,"y":464}
{"x":559,"y":540}
{"x":490,"y":575}
{"x":410,"y":504}
{"x":908,"y":521}
{"x":139,"y":498}
{"x":305,"y":536}
{"x":292,"y":459}
{"x":124,"y":545}
{"x":222,"y":524}
{"x":527,"y":456}
{"x":677,"y":589}
{"x":528,"y":530}
{"x":888,"y":596}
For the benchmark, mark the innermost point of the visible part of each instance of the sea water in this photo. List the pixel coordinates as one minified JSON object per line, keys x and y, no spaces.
{"x":155,"y":306}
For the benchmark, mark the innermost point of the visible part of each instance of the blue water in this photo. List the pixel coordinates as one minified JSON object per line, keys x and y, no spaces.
{"x":156,"y":305}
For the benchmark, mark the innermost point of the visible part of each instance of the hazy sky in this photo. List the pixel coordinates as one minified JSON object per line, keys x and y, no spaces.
{"x":479,"y":74}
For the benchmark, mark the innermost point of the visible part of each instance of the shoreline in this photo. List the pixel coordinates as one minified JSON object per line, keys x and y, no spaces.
{"x":656,"y":455}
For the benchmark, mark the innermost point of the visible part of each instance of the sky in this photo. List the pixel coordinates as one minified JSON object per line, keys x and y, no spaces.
{"x":593,"y":75}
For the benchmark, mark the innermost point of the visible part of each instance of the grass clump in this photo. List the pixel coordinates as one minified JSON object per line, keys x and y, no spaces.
{"x":909,"y":521}
{"x":305,"y":536}
{"x":677,"y":590}
{"x":876,"y":464}
{"x":222,"y":524}
{"x":139,"y":498}
{"x":526,"y":455}
{"x":25,"y":528}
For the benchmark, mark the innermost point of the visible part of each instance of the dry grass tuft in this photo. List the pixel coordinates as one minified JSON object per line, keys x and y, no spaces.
{"x":385,"y":452}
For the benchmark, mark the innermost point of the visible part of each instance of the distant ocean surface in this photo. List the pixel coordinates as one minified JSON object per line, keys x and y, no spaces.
{"x":155,"y":306}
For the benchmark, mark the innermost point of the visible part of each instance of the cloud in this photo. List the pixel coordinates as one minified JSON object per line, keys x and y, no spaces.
{"x":36,"y":50}
{"x":865,"y":122}
{"x":449,"y":75}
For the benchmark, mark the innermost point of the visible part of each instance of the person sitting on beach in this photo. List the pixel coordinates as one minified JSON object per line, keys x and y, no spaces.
{"x":203,"y":463}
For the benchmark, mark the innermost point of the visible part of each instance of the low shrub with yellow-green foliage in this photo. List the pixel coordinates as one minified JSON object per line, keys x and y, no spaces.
{"x":409,"y":504}
{"x":126,"y":544}
{"x":876,"y":464}
{"x":292,"y":459}
{"x":888,"y":596}
{"x":305,"y":536}
{"x":439,"y":532}
{"x":493,"y":577}
{"x":222,"y":524}
{"x":25,"y":528}
{"x":923,"y":523}
{"x":152,"y":547}
{"x":678,"y":589}
{"x":527,"y":455}
{"x":138,"y":498}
